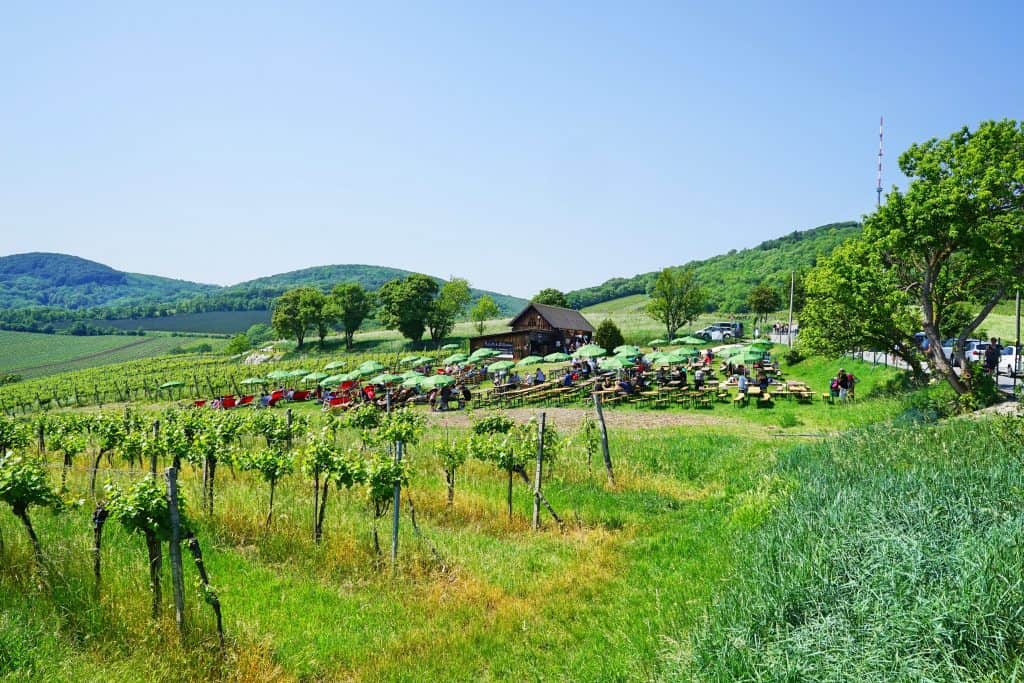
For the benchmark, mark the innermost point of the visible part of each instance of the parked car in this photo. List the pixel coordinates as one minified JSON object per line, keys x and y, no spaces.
{"x":720,"y":331}
{"x":971,"y":352}
{"x":1008,"y":361}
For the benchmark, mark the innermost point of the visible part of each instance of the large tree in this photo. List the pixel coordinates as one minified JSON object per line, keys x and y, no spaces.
{"x":406,"y":303}
{"x":551,"y":297}
{"x":296,"y":312}
{"x":484,"y":310}
{"x":450,"y":303}
{"x":676,"y":298}
{"x":854,"y":302}
{"x":354,"y":305}
{"x":763,"y":300}
{"x":956,"y":236}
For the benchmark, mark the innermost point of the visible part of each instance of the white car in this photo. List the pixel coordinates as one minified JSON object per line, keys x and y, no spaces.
{"x":1008,"y":361}
{"x":969,"y":350}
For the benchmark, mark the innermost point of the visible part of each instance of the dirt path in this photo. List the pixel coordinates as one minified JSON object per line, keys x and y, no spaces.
{"x":571,"y":417}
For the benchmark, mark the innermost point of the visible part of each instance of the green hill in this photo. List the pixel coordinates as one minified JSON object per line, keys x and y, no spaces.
{"x":60,"y":280}
{"x":40,"y":291}
{"x":730,"y":277}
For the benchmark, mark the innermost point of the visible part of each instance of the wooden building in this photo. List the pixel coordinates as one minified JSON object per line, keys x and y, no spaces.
{"x":538,"y":330}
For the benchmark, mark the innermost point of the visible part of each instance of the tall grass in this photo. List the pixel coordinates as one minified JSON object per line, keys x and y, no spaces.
{"x":899,"y":557}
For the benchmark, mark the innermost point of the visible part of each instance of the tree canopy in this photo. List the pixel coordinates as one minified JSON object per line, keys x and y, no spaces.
{"x":354,"y":305}
{"x":551,"y":297}
{"x":763,"y":300}
{"x":405,"y":304}
{"x":484,"y":310}
{"x":296,"y":312}
{"x":449,"y":304}
{"x":608,"y":335}
{"x":676,"y":298}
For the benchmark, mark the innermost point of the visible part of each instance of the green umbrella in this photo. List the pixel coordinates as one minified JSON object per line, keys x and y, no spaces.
{"x":590,"y":351}
{"x":370,"y":367}
{"x":330,"y":380}
{"x":438,"y":381}
{"x":500,"y":365}
{"x":484,"y":352}
{"x":627,"y":350}
{"x":386,"y":378}
{"x":349,"y":376}
{"x":334,"y":365}
{"x":413,"y":382}
{"x":253,"y":380}
{"x":529,"y":360}
{"x":411,"y":373}
{"x":615,"y":363}
{"x":315,"y":376}
{"x":689,"y":341}
{"x":761,"y":344}
{"x":455,"y":358}
{"x":298,"y":373}
{"x":170,"y":385}
{"x":409,"y":360}
{"x":658,"y":342}
{"x":277,"y":374}
{"x":557,"y":357}
{"x":449,"y":347}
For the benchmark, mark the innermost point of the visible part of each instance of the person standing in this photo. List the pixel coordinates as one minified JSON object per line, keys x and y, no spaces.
{"x":992,"y":353}
{"x":843,"y":382}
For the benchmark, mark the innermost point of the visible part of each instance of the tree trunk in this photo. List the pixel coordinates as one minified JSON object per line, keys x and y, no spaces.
{"x":22,"y":513}
{"x":155,"y":564}
{"x":211,"y":471}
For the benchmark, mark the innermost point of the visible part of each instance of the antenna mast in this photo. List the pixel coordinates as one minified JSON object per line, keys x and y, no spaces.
{"x":878,"y":188}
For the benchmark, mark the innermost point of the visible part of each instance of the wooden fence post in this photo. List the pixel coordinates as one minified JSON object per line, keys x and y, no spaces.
{"x":152,"y":455}
{"x":177,"y":580}
{"x":288,"y":420}
{"x":604,"y":440}
{"x":538,"y":472}
{"x":397,"y":506}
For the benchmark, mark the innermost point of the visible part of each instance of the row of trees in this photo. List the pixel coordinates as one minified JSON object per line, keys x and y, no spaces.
{"x":413,"y":305}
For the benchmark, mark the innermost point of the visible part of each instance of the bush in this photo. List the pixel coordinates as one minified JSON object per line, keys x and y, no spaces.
{"x":608,"y":335}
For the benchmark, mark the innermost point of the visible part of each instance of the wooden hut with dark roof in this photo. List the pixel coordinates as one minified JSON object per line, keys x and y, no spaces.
{"x":538,"y":330}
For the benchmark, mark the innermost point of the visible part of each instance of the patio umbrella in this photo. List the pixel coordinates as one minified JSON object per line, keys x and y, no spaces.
{"x":657,"y":342}
{"x":455,"y":358}
{"x":614,"y":363}
{"x":590,"y":351}
{"x":331,"y":379}
{"x":409,"y":360}
{"x":761,"y":345}
{"x":627,"y":350}
{"x":171,"y":385}
{"x":349,"y":376}
{"x":386,"y":378}
{"x":253,"y":380}
{"x":557,"y":357}
{"x":438,"y":381}
{"x":450,"y":347}
{"x":689,"y":341}
{"x":369,"y":367}
{"x":411,"y":373}
{"x":483,"y":353}
{"x":529,"y":360}
{"x":413,"y":382}
{"x":277,"y":374}
{"x":334,"y":365}
{"x":298,"y":373}
{"x":315,"y":376}
{"x":500,"y":365}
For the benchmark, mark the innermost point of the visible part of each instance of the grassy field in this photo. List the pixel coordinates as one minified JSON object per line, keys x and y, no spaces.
{"x":37,"y":355}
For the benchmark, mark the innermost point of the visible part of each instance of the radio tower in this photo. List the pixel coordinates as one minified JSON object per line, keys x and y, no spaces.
{"x":878,"y":188}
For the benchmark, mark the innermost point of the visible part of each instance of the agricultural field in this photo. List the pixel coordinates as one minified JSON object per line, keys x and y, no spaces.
{"x":36,"y":355}
{"x":731,"y":542}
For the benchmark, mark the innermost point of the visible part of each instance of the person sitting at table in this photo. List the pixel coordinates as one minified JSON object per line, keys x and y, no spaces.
{"x":514,"y":379}
{"x":698,"y":378}
{"x":585,"y":370}
{"x":567,"y":379}
{"x":539,"y":378}
{"x":599,"y":384}
{"x":625,"y":387}
{"x":742,"y":384}
{"x":762,"y":382}
{"x":660,"y":377}
{"x":641,"y":383}
{"x":529,"y":380}
{"x":709,"y":356}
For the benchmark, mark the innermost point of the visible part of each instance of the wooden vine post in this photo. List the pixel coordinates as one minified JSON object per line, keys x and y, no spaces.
{"x":397,"y":509}
{"x":604,"y":440}
{"x":99,"y":518}
{"x":538,"y":472}
{"x":174,"y":550}
{"x":152,"y":455}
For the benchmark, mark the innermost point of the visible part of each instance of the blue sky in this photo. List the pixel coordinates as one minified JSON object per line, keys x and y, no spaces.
{"x":519,"y":145}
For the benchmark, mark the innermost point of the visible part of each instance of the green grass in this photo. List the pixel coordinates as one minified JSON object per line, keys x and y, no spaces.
{"x":37,"y":355}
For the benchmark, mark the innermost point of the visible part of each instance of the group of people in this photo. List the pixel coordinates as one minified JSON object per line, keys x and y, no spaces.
{"x":843,"y":384}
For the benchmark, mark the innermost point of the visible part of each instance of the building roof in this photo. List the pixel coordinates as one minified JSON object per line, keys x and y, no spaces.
{"x":557,"y":317}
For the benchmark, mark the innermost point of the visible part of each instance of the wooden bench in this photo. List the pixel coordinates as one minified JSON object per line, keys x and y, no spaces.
{"x":764,"y":400}
{"x":740,"y":399}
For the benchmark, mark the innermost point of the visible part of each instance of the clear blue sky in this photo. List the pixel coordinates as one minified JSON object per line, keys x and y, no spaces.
{"x":532,"y":145}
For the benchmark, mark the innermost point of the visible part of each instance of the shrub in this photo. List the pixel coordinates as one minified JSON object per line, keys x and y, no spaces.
{"x":608,"y":335}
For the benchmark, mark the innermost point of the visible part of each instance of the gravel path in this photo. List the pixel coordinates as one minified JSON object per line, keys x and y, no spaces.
{"x":571,"y":417}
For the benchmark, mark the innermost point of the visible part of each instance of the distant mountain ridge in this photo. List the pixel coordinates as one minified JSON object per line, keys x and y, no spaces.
{"x":728,"y":278}
{"x":65,"y":282}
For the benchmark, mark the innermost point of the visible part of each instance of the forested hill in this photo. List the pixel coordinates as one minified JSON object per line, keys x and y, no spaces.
{"x":730,"y":277}
{"x":41,"y":288}
{"x":60,"y":280}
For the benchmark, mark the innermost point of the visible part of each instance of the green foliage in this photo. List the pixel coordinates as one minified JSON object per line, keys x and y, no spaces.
{"x":380,"y":473}
{"x":730,"y":277}
{"x":608,"y":335}
{"x":452,"y":453}
{"x":551,"y":297}
{"x":676,"y":299}
{"x":259,"y":333}
{"x":299,"y":310}
{"x":404,"y":425}
{"x":495,"y":423}
{"x":762,"y":301}
{"x":354,"y":305}
{"x":240,"y":343}
{"x":13,"y":434}
{"x":270,"y":463}
{"x":143,"y":506}
{"x":484,"y":310}
{"x":449,"y":304}
{"x":365,"y":417}
{"x":405,"y":305}
{"x":24,"y":482}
